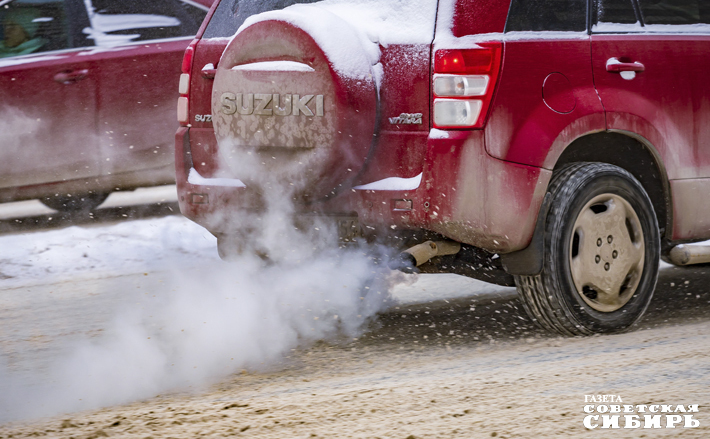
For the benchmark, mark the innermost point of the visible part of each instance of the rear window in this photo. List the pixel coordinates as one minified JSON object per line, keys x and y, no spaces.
{"x":231,"y":14}
{"x":547,"y":15}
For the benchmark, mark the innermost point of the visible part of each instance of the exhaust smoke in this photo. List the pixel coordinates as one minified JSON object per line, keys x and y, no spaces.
{"x":212,"y":319}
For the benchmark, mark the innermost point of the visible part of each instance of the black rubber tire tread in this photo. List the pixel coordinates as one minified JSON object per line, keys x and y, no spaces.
{"x":540,"y":294}
{"x":75,"y":203}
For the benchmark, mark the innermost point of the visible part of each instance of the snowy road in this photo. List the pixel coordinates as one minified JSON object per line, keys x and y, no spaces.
{"x":112,"y":313}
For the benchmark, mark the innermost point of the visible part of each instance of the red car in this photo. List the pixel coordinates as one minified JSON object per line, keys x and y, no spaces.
{"x":87,"y":98}
{"x":556,"y":145}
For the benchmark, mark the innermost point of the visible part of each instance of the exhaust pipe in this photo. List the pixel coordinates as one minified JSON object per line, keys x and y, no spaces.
{"x":690,"y":254}
{"x":422,"y":253}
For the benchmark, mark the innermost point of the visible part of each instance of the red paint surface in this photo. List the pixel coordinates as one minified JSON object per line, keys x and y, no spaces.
{"x":668,"y":104}
{"x":484,"y":187}
{"x":108,"y":125}
{"x":479,"y":17}
{"x":521,"y":128}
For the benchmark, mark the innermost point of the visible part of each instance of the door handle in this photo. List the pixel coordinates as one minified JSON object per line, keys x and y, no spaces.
{"x":71,"y":76}
{"x":616,"y":66}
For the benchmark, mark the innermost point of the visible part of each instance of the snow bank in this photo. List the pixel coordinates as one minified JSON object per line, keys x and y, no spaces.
{"x":81,"y":252}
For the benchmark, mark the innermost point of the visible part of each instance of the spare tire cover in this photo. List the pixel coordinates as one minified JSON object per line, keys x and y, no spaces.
{"x":294,"y":107}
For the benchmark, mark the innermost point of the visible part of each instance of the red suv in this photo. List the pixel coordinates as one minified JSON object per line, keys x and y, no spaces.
{"x":87,"y":103}
{"x":555,"y":145}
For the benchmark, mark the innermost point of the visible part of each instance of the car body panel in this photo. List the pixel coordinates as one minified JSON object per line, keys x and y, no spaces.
{"x":94,"y":109}
{"x":668,"y":103}
{"x":485,"y":187}
{"x":135,"y":114}
{"x":522,"y":119}
{"x":47,"y":119}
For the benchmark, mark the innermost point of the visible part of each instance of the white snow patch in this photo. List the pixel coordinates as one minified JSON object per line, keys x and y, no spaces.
{"x":195,"y":178}
{"x":26,"y":60}
{"x":438,"y":134}
{"x":349,"y":51}
{"x":276,"y":66}
{"x":91,"y":252}
{"x":617,"y":27}
{"x":446,"y":40}
{"x":388,"y":22}
{"x":700,"y":28}
{"x":392,"y":184}
{"x":351,"y":31}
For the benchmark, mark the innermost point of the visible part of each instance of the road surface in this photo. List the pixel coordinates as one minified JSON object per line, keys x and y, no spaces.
{"x":447,"y":358}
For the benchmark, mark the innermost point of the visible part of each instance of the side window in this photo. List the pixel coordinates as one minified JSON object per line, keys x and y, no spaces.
{"x":614,"y":15}
{"x":32,"y":27}
{"x":547,"y":15}
{"x":675,"y":11}
{"x":115,"y":22}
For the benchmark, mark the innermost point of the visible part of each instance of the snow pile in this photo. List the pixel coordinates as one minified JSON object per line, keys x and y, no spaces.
{"x":80,"y":252}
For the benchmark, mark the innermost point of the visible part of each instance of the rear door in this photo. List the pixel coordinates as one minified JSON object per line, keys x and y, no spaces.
{"x":140,"y":45}
{"x":545,"y":97}
{"x":47,"y":99}
{"x":651,"y":69}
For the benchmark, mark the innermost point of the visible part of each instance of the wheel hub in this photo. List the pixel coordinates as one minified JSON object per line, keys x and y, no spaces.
{"x":607,"y":252}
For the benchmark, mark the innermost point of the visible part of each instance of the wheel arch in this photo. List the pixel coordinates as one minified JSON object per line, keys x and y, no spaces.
{"x":624,"y":149}
{"x":633,"y":153}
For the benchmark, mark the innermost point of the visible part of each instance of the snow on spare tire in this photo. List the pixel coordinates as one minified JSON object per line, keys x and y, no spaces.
{"x":294,"y":101}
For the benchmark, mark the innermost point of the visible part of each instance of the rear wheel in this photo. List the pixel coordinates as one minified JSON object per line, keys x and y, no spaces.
{"x":602,"y":249}
{"x":75,"y":203}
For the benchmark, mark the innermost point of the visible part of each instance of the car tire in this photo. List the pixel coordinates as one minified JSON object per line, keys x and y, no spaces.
{"x":601,"y":253}
{"x":75,"y":203}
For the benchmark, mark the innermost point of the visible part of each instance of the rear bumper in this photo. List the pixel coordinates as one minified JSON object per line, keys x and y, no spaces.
{"x":462,"y":193}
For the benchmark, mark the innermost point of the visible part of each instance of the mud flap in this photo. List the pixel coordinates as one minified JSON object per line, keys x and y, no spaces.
{"x":528,"y":262}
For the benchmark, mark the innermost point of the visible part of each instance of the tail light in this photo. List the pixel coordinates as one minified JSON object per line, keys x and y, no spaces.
{"x":464,"y":81}
{"x":184,"y":86}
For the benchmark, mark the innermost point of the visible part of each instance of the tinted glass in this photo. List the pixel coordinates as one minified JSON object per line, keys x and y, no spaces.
{"x":32,"y":27}
{"x":230,"y":14}
{"x":614,"y":11}
{"x":547,"y":15}
{"x":675,"y":11}
{"x":122,"y":21}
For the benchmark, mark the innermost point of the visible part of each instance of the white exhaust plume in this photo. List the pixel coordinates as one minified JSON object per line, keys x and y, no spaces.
{"x":205,"y":324}
{"x":213,"y":320}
